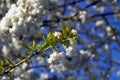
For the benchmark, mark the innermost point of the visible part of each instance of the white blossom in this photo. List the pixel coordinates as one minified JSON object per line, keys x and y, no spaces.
{"x":108,"y":28}
{"x":58,"y":34}
{"x":99,"y":23}
{"x":74,"y":31}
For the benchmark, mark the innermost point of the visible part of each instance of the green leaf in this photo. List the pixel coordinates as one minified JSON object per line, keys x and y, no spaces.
{"x":45,"y":55}
{"x":30,"y":53}
{"x":10,"y":62}
{"x":1,"y":66}
{"x":65,"y":46}
{"x":32,"y":45}
{"x":68,"y":28}
{"x":41,"y":34}
{"x":66,"y":43}
{"x":65,"y":18}
{"x":46,"y":45}
{"x":25,"y":46}
{"x":66,"y":31}
{"x":39,"y":46}
{"x":53,"y":38}
{"x":25,"y":57}
{"x":28,"y":60}
{"x":72,"y":40}
{"x":50,"y":37}
{"x":21,"y":56}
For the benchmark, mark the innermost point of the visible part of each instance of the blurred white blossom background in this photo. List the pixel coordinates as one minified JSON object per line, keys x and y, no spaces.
{"x":95,"y":54}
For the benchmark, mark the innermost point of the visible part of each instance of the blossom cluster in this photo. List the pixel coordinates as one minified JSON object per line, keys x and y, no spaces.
{"x":13,"y":24}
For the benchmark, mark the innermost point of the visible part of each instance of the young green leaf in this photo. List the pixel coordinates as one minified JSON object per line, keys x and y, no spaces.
{"x":1,"y":66}
{"x":50,"y":36}
{"x":67,"y":28}
{"x":25,"y":46}
{"x":32,"y":45}
{"x":66,"y":31}
{"x":46,"y":45}
{"x":72,"y":40}
{"x":41,"y":34}
{"x":28,"y":60}
{"x":39,"y":46}
{"x":21,"y":56}
{"x":10,"y":62}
